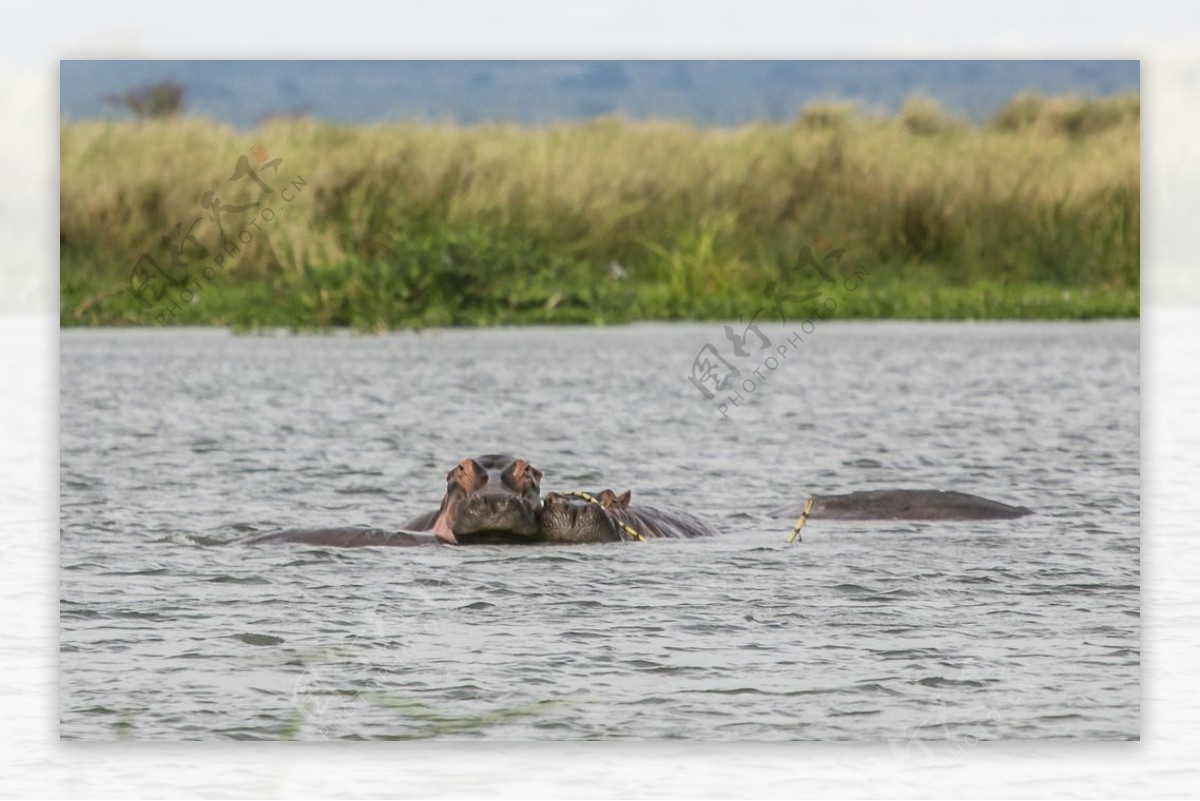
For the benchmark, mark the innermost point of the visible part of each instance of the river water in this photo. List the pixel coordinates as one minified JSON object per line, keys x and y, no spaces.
{"x":177,"y":443}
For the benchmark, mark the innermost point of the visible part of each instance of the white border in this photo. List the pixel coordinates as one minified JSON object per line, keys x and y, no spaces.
{"x":34,"y":764}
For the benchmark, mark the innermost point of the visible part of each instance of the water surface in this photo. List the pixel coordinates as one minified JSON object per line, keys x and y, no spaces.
{"x":177,"y":443}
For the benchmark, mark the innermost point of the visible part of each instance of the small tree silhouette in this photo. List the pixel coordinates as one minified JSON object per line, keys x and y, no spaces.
{"x":155,"y":101}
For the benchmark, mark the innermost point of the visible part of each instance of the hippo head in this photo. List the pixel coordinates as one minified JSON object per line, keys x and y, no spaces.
{"x":570,"y":521}
{"x":491,"y":498}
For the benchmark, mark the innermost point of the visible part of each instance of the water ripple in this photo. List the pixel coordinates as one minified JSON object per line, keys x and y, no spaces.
{"x":865,"y":630}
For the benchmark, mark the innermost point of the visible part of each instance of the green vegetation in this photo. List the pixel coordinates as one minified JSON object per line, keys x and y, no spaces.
{"x":1033,"y":215}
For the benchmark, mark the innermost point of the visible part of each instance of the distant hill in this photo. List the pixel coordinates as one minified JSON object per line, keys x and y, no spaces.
{"x":706,"y":92}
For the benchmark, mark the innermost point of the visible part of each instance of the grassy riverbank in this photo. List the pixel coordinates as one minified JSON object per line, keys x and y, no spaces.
{"x":1033,"y":215}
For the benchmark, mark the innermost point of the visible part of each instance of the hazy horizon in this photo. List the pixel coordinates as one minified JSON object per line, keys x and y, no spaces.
{"x":706,"y":92}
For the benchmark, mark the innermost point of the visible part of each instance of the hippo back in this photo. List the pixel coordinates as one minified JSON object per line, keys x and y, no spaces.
{"x":343,"y":537}
{"x":653,"y":522}
{"x":906,"y":504}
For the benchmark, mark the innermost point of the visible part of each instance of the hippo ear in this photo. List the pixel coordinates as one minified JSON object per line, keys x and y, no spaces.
{"x":623,"y":499}
{"x":465,"y":464}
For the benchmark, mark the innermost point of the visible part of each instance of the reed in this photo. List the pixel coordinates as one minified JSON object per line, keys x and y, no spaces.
{"x":1035,"y":214}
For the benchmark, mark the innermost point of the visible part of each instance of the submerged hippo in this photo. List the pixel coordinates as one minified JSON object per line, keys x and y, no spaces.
{"x":491,"y":499}
{"x":906,"y":505}
{"x":495,"y":499}
{"x":345,"y":537}
{"x":569,"y":521}
{"x":608,"y":517}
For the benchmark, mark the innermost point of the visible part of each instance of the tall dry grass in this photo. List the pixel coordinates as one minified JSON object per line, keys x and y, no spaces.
{"x":405,"y":224}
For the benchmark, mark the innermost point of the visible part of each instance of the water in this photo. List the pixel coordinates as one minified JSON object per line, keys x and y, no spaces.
{"x":174,"y":444}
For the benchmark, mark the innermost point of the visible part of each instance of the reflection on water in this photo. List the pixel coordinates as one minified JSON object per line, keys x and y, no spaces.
{"x":176,"y":443}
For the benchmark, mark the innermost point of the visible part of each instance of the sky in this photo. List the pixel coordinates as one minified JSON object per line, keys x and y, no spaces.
{"x":707,"y":92}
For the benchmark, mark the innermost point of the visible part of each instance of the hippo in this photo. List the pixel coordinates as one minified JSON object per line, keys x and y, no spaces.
{"x":906,"y":504}
{"x":608,"y":517}
{"x":495,"y":499}
{"x":655,"y":523}
{"x":566,"y":521}
{"x":492,"y":499}
{"x":345,"y":537}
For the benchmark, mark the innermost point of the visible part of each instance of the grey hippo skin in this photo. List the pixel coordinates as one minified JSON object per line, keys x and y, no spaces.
{"x":655,"y":523}
{"x":570,"y":521}
{"x":906,"y":505}
{"x":345,"y":537}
